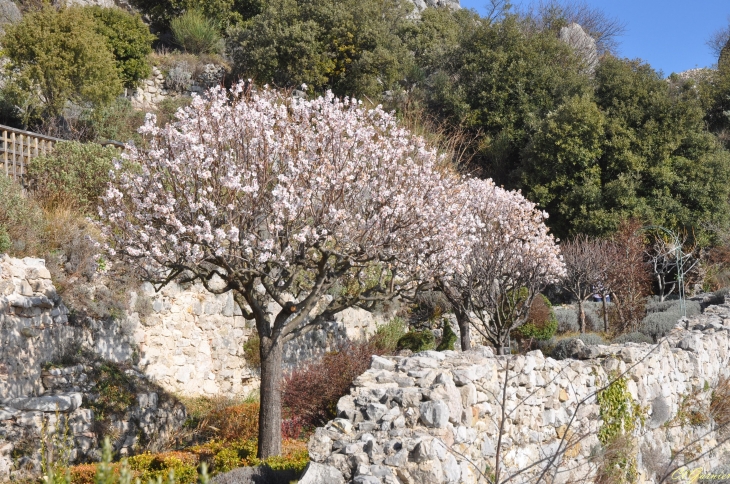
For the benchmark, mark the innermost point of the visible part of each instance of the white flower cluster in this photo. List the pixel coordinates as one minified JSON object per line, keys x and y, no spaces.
{"x":255,"y":181}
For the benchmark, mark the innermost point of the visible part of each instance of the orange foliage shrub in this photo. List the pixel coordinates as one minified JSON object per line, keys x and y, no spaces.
{"x":240,"y":422}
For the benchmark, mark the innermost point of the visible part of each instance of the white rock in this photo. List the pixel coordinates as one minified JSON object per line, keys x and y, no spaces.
{"x":316,"y":473}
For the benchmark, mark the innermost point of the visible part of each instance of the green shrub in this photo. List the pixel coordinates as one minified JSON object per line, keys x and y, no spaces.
{"x":128,"y":38}
{"x":541,"y":324}
{"x":448,"y":339}
{"x":417,"y":341}
{"x":21,"y":220}
{"x":118,"y":121}
{"x":5,"y":243}
{"x":167,"y":109}
{"x":225,"y":12}
{"x":195,"y":33}
{"x":387,"y":335}
{"x":73,"y":173}
{"x":251,"y":350}
{"x":151,"y":467}
{"x":227,"y":459}
{"x":57,"y":56}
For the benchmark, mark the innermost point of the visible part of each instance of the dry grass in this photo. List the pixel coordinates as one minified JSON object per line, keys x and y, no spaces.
{"x":720,"y":403}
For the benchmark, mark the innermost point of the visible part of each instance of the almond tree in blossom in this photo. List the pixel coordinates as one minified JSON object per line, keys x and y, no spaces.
{"x":316,"y":205}
{"x":512,"y":258}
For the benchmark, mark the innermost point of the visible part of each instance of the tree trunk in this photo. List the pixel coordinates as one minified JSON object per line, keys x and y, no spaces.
{"x":464,"y":330}
{"x":270,"y":410}
{"x":502,"y":348}
{"x":659,"y":283}
{"x":581,"y":316}
{"x":605,"y":314}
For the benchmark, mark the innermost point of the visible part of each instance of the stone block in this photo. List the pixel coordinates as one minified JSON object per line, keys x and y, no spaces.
{"x":434,"y":414}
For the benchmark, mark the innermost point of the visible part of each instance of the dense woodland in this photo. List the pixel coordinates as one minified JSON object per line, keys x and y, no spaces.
{"x":594,"y":143}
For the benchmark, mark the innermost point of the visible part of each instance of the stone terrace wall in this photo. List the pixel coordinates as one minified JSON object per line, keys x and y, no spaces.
{"x":191,"y":342}
{"x":433,"y":417}
{"x":34,"y":330}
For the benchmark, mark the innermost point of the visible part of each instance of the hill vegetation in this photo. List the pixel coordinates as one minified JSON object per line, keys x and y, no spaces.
{"x":599,"y":147}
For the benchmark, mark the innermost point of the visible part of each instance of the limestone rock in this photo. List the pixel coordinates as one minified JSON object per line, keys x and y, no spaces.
{"x":582,"y":43}
{"x":319,"y":473}
{"x":435,"y":414}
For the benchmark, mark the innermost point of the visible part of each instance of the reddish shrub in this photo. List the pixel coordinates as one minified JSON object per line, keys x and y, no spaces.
{"x":628,"y":278}
{"x":310,"y":394}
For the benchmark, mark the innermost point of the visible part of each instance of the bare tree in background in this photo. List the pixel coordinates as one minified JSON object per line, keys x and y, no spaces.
{"x":584,"y":259}
{"x":496,"y":9}
{"x":553,"y":14}
{"x":662,"y":257}
{"x":719,"y":39}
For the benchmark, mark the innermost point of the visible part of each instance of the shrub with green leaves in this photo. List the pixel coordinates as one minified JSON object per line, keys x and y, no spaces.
{"x":21,"y":220}
{"x":541,"y":324}
{"x":128,"y":38}
{"x":448,"y":339}
{"x":57,"y":56}
{"x":118,"y":121}
{"x":350,"y":46}
{"x":387,"y":335}
{"x":227,"y":13}
{"x":74,"y":172}
{"x":417,"y":341}
{"x":196,"y":33}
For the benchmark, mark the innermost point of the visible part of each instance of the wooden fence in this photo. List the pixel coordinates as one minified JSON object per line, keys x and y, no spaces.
{"x":18,"y":147}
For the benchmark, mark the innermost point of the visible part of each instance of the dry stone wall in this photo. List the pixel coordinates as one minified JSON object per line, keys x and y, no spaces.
{"x":152,"y":91}
{"x":434,"y":417}
{"x":188,"y":340}
{"x":36,"y":400}
{"x":192,"y":342}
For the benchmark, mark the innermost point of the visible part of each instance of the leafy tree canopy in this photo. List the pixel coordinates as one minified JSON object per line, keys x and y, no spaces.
{"x":225,"y":12}
{"x":128,"y":38}
{"x":500,"y":81}
{"x":638,"y":147}
{"x":351,"y":47}
{"x":58,"y":56}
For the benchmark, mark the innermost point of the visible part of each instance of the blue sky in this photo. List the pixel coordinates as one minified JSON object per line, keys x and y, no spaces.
{"x":668,"y":34}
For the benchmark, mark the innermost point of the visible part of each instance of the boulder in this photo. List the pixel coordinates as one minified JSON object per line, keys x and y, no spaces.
{"x":255,"y":475}
{"x":320,"y":473}
{"x":435,"y":414}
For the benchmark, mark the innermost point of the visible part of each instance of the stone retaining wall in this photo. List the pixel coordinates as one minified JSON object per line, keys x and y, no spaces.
{"x":434,"y":417}
{"x":191,"y":342}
